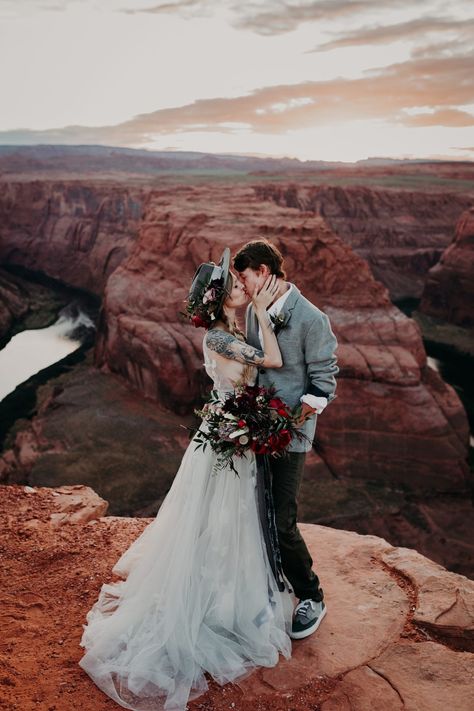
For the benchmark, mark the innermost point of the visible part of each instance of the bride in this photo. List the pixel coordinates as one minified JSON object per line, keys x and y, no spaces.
{"x":197,"y":592}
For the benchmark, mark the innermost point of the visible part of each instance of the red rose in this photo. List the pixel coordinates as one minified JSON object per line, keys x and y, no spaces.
{"x":258,"y":448}
{"x":272,"y":442}
{"x":198,"y":321}
{"x":276,"y":403}
{"x":284,"y":438}
{"x":241,"y":423}
{"x":282,"y":412}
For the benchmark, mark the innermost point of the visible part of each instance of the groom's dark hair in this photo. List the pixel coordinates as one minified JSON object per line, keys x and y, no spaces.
{"x":257,"y":252}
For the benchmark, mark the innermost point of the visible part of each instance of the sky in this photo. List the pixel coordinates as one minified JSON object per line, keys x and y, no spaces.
{"x":336,"y":80}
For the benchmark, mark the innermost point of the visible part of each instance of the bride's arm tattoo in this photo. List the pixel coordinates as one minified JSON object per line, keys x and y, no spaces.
{"x":230,"y":347}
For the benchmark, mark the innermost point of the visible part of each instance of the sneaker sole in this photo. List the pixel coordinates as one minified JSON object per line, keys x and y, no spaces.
{"x":309,"y":630}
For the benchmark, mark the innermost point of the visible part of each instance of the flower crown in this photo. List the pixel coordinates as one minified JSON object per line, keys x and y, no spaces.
{"x":202,"y":310}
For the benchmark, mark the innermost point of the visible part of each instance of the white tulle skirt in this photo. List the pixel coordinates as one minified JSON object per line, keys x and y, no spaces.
{"x":197,"y":595}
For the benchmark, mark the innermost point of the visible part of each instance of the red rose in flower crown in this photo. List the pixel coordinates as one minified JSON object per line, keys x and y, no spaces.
{"x":197,"y":321}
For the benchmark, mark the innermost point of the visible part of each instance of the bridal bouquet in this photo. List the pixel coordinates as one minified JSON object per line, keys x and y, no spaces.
{"x":251,"y":417}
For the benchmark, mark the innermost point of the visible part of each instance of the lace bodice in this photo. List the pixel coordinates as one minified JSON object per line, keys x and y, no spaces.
{"x":226,"y":373}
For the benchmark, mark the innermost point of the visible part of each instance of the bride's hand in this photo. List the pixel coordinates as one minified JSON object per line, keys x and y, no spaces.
{"x":262,"y":298}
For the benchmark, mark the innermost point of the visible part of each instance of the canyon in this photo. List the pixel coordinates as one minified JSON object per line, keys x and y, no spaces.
{"x":400,"y":234}
{"x":391,"y":451}
{"x":448,"y":293}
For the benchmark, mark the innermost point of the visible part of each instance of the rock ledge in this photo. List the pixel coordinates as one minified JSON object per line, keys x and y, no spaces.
{"x":399,"y":633}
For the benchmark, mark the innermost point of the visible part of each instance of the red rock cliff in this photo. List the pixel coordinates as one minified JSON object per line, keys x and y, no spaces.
{"x":72,"y":231}
{"x":449,"y":290}
{"x":401,"y":233}
{"x":399,"y":632}
{"x":394,"y":418}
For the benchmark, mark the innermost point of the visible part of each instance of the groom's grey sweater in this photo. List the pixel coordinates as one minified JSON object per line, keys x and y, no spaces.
{"x":307,"y":344}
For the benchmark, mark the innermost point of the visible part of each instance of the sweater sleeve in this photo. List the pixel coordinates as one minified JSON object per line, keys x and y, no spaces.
{"x":321,"y":359}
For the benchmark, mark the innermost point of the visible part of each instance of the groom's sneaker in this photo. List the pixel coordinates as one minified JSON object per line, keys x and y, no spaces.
{"x":307,"y":617}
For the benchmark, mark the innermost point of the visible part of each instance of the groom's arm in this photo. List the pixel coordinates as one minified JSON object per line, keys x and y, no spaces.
{"x":321,"y":361}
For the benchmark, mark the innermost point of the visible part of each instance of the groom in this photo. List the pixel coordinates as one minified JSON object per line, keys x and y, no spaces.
{"x":307,"y":344}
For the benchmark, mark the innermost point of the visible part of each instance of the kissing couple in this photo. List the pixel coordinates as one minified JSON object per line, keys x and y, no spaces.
{"x":199,"y":591}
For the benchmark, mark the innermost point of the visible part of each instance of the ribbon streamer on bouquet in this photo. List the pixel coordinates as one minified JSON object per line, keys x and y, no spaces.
{"x":266,"y":512}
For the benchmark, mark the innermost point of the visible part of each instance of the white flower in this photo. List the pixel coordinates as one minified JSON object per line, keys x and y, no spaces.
{"x":237,"y":433}
{"x":243,"y":439}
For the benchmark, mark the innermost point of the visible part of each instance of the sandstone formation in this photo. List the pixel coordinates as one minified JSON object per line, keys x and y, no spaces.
{"x":449,"y":290}
{"x":395,"y":426}
{"x":14,"y":303}
{"x":71,"y":231}
{"x":394,"y":418}
{"x":28,"y":303}
{"x":89,"y":427}
{"x":399,"y":632}
{"x":401,"y":233}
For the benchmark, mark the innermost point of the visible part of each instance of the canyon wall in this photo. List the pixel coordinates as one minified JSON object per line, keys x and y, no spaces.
{"x":71,"y":231}
{"x":448,"y":294}
{"x":394,"y":418}
{"x":401,"y":233}
{"x":394,"y":428}
{"x":14,"y":302}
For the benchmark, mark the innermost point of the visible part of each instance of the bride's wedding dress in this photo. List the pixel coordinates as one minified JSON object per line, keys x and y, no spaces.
{"x":197,"y":592}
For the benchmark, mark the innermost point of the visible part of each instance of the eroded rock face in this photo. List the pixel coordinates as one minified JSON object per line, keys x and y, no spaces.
{"x":399,"y":631}
{"x":14,"y":303}
{"x":394,"y":423}
{"x":394,"y":418}
{"x":449,"y":290}
{"x":91,"y":428}
{"x":401,"y":233}
{"x":71,"y":231}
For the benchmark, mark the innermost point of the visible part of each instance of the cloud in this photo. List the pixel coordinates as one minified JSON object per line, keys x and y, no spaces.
{"x":412,"y":29}
{"x":10,"y":8}
{"x":443,"y":117}
{"x":277,"y":18}
{"x":184,"y":8}
{"x":435,"y":88}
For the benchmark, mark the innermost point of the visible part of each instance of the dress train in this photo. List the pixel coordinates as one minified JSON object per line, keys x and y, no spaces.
{"x":198,"y":595}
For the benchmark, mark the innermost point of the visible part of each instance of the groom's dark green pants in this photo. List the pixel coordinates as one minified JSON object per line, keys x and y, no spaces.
{"x":287,"y":473}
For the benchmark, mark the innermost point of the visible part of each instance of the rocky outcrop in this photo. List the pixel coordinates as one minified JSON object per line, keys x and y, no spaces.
{"x":395,"y":431}
{"x":70,"y":231}
{"x":394,"y":419}
{"x":399,"y":632}
{"x":28,"y":302}
{"x":89,"y":427}
{"x":14,"y":303}
{"x":448,"y":295}
{"x":400,"y":233}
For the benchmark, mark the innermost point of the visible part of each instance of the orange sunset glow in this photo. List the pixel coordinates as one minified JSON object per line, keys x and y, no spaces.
{"x":329,"y":80}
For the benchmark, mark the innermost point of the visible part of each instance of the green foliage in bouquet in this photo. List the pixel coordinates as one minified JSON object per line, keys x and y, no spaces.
{"x":251,"y":418}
